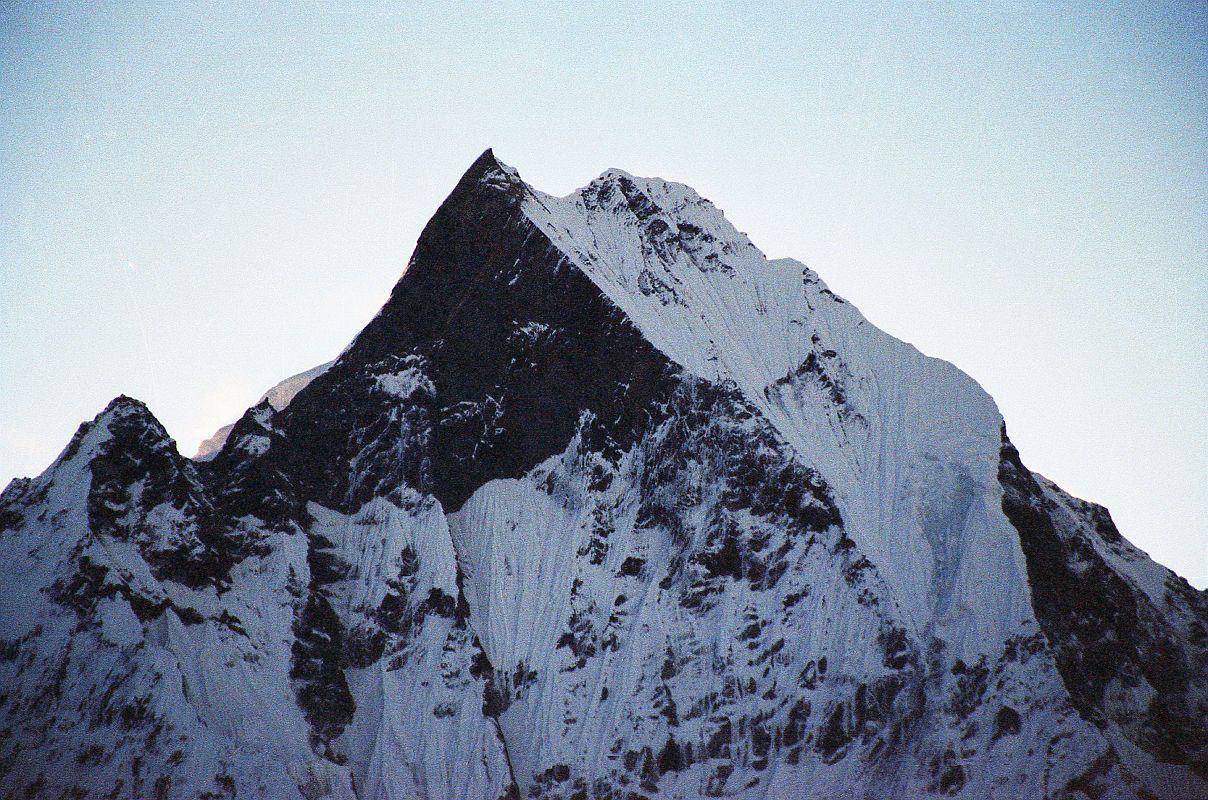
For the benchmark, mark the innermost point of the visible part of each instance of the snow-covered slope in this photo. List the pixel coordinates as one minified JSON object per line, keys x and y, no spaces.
{"x":860,"y":406}
{"x":601,"y":504}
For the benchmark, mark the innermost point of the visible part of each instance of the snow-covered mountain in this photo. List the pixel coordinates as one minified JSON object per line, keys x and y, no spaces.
{"x":601,"y":504}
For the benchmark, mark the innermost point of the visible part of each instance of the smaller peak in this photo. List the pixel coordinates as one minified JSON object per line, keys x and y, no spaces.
{"x":126,"y":412}
{"x":612,"y":173}
{"x":125,"y":418}
{"x":124,"y":405}
{"x":626,"y":181}
{"x":664,"y":192}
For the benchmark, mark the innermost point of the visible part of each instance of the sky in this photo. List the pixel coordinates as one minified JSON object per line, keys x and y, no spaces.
{"x":197,"y":201}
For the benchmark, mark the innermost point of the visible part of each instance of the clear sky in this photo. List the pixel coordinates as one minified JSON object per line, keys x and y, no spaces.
{"x":197,"y":201}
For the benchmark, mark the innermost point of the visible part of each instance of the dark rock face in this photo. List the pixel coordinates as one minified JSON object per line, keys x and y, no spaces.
{"x":517,"y":346}
{"x":318,"y":656}
{"x":138,"y":469}
{"x":1105,"y":632}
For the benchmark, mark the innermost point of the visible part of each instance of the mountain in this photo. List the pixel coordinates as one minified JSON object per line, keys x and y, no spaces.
{"x":278,"y":397}
{"x":601,"y":504}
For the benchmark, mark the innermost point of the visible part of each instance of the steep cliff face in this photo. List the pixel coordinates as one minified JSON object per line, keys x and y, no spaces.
{"x":602,"y":503}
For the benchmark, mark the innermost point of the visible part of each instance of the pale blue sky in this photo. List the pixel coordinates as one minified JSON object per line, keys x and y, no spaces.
{"x":199,"y":200}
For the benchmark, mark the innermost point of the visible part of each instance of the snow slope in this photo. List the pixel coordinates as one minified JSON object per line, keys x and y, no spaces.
{"x":860,"y":406}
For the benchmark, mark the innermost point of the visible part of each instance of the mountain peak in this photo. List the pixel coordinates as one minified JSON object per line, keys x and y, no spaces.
{"x":128,"y":420}
{"x":127,"y":413}
{"x":123,"y":405}
{"x":489,"y":171}
{"x":602,"y":497}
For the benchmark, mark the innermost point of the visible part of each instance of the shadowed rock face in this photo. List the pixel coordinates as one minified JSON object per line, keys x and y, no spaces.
{"x":1107,"y":635}
{"x":516,"y":343}
{"x":601,"y":504}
